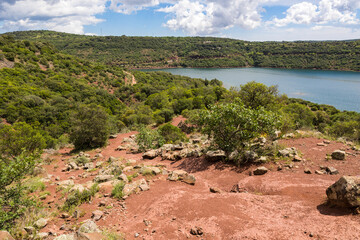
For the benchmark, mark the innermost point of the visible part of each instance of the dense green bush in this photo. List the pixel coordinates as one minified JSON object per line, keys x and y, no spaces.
{"x":79,"y":197}
{"x":117,"y":191}
{"x":232,"y":125}
{"x":89,"y":127}
{"x":171,"y":133}
{"x":149,"y":139}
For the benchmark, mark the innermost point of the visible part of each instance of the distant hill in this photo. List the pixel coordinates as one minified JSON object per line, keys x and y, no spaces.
{"x":162,"y":52}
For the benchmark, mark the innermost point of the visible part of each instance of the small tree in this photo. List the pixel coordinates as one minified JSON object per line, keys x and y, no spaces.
{"x":230,"y":125}
{"x":90,"y":128}
{"x":171,"y":134}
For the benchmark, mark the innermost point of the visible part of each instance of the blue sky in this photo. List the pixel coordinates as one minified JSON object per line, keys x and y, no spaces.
{"x":256,"y":20}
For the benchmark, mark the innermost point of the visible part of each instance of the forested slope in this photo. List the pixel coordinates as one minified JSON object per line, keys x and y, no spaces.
{"x":159,"y":52}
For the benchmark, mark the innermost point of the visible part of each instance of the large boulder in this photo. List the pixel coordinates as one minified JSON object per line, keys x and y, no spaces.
{"x":345,"y":192}
{"x":338,"y":155}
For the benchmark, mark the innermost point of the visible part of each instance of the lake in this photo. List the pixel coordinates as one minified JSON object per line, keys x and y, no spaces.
{"x":340,"y":89}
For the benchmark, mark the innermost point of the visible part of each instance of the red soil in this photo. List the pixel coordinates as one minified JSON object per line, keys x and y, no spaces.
{"x":287,"y":204}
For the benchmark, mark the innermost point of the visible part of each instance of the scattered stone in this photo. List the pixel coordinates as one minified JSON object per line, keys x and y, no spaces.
{"x":262,"y":159}
{"x":102,"y":203}
{"x":196,"y":231}
{"x":147,"y":222}
{"x":66,"y":237}
{"x":250,"y":156}
{"x":150,"y":154}
{"x":143,"y":185}
{"x":4,"y":235}
{"x":215,"y":190}
{"x":113,"y":136}
{"x":260,"y":171}
{"x":99,"y":155}
{"x":89,"y":165}
{"x":153,"y":170}
{"x":327,"y":141}
{"x":332,"y":170}
{"x":288,"y":152}
{"x":99,"y":164}
{"x":338,"y":155}
{"x":97,"y":215}
{"x":66,"y":183}
{"x":345,"y":192}
{"x":41,"y":223}
{"x":103,"y":178}
{"x":279,"y":168}
{"x":123,"y":177}
{"x":89,"y":227}
{"x":78,"y":187}
{"x":136,"y":235}
{"x":320,"y":172}
{"x":215,"y":156}
{"x":120,"y":148}
{"x":65,"y":215}
{"x":128,"y":169}
{"x":42,"y":235}
{"x":321,"y":144}
{"x":57,"y":178}
{"x":297,"y":158}
{"x":237,"y":189}
{"x":112,"y":159}
{"x":307,"y":171}
{"x":181,"y":175}
{"x":72,"y":165}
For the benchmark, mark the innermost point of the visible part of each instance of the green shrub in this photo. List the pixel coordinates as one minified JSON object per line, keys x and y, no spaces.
{"x":300,"y":115}
{"x":89,"y":127}
{"x":117,"y":192}
{"x":171,"y":134}
{"x":77,"y":198}
{"x":232,"y":125}
{"x":149,"y":139}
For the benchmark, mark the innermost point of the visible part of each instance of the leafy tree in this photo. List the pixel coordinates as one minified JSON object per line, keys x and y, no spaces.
{"x":89,"y":127}
{"x":300,"y":115}
{"x":149,"y":139}
{"x":255,"y":95}
{"x":231,"y":125}
{"x":18,"y":138}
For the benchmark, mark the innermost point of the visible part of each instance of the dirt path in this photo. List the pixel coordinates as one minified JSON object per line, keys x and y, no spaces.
{"x":286,"y":204}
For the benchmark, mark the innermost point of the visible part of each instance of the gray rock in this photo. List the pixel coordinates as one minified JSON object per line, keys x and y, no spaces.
{"x":103,"y":178}
{"x":123,"y":177}
{"x":260,"y":171}
{"x":215,"y":190}
{"x":288,"y":152}
{"x":66,"y":237}
{"x":89,"y":227}
{"x":99,"y":164}
{"x":307,"y":171}
{"x":41,"y":223}
{"x":250,"y":156}
{"x":332,"y":170}
{"x":181,"y":175}
{"x":113,"y":136}
{"x":153,"y":170}
{"x":89,"y":165}
{"x":150,"y":154}
{"x":112,"y":159}
{"x":345,"y":192}
{"x":78,"y":187}
{"x":327,"y":141}
{"x":72,"y":165}
{"x":338,"y":155}
{"x":143,"y":185}
{"x":320,"y":172}
{"x":297,"y":158}
{"x":42,"y":235}
{"x":214,"y":156}
{"x":97,"y":215}
{"x":30,"y":230}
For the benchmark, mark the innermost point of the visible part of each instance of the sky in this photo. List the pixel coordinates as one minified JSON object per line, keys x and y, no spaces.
{"x":254,"y":20}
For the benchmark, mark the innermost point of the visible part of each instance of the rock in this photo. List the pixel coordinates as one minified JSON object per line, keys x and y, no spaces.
{"x":136,"y":235}
{"x":237,"y":189}
{"x":38,"y":170}
{"x":120,"y":148}
{"x":57,"y":178}
{"x":103,"y":178}
{"x":90,"y":236}
{"x":143,"y":185}
{"x":113,"y":136}
{"x":260,"y":171}
{"x":250,"y":156}
{"x":189,"y":179}
{"x":73,"y":165}
{"x":289,"y":135}
{"x":332,"y":170}
{"x":65,"y":183}
{"x":102,"y":203}
{"x":172,"y":156}
{"x":234,"y":156}
{"x":4,"y":235}
{"x":42,"y":235}
{"x":181,"y":175}
{"x":215,"y":156}
{"x":112,"y":159}
{"x":99,"y":164}
{"x":321,"y":144}
{"x":338,"y":155}
{"x":150,"y":154}
{"x":123,"y":177}
{"x":320,"y":172}
{"x":345,"y":192}
{"x":99,"y":155}
{"x":41,"y":223}
{"x":327,"y":141}
{"x":215,"y":190}
{"x":262,"y":159}
{"x":66,"y":237}
{"x":196,"y":231}
{"x":89,"y":227}
{"x":78,"y":187}
{"x":89,"y":165}
{"x":297,"y":158}
{"x":153,"y":170}
{"x":128,"y":169}
{"x":30,"y":230}
{"x":97,"y":215}
{"x":65,"y":215}
{"x":288,"y":152}
{"x":307,"y":171}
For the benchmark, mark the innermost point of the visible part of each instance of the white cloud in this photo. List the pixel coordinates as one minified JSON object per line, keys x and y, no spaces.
{"x":327,"y":11}
{"x":130,"y":6}
{"x":212,"y":16}
{"x":59,"y":15}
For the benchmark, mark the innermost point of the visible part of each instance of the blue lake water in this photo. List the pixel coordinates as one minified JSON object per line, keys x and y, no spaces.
{"x":337,"y":88}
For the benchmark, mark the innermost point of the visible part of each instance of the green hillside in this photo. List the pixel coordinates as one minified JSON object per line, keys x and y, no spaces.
{"x":160,"y":52}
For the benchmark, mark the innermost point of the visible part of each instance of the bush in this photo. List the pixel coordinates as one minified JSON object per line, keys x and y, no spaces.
{"x":13,"y":200}
{"x":117,"y":192}
{"x":77,"y":198}
{"x":89,"y":127}
{"x":171,"y":134}
{"x":149,"y":139}
{"x":232,"y":125}
{"x":300,"y":115}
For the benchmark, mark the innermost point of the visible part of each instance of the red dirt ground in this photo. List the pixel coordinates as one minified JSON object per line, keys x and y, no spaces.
{"x":287,"y":204}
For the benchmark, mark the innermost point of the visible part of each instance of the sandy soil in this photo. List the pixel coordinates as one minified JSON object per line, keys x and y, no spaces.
{"x":286,"y":204}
